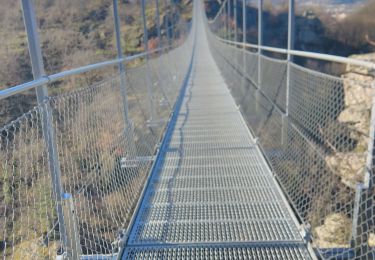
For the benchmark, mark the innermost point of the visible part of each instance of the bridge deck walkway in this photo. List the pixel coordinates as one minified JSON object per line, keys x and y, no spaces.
{"x":211,"y":194}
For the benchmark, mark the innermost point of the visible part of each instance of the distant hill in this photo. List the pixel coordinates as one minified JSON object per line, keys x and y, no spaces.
{"x":316,"y":31}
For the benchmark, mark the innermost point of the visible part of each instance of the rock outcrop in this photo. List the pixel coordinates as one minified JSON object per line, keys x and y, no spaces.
{"x":359,"y":92}
{"x":371,"y":240}
{"x":334,"y":233}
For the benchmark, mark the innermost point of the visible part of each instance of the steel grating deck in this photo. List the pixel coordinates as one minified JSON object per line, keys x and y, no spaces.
{"x":211,"y":194}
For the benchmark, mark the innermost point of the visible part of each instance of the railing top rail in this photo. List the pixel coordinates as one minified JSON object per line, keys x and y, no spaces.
{"x":306,"y":54}
{"x":60,"y":75}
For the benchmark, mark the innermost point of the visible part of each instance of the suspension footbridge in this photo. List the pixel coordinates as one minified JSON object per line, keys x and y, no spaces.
{"x":212,"y":192}
{"x":206,"y":150}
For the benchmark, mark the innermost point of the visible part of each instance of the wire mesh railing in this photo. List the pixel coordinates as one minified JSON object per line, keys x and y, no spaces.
{"x":316,"y":130}
{"x":74,"y":166}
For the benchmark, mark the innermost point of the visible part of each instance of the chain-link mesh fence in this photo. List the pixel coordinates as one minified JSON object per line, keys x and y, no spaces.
{"x":316,"y":131}
{"x":102,"y":158}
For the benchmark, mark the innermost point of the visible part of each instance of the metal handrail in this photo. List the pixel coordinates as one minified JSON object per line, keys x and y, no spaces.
{"x":305,"y":54}
{"x":60,"y":75}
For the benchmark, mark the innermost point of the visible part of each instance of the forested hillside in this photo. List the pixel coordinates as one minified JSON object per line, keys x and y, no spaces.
{"x":72,"y":34}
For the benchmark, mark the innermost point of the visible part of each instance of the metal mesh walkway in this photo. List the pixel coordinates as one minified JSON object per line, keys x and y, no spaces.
{"x":212,"y":195}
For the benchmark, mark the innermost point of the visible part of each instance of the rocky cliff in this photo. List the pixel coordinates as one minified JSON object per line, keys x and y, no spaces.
{"x":359,"y":94}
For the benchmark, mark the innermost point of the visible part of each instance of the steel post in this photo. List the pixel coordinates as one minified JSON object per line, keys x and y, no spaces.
{"x":229,"y":21}
{"x":172,"y":21}
{"x":121,"y":66}
{"x":291,"y":28}
{"x":158,"y":22}
{"x":171,"y":36}
{"x":363,"y":217}
{"x":236,"y":58}
{"x":291,"y":34}
{"x":235,"y":20}
{"x":169,"y":20}
{"x":169,"y":41}
{"x":129,"y":130}
{"x":72,"y":231}
{"x":260,"y":43}
{"x":244,"y":22}
{"x":226,"y":9}
{"x":160,"y":46}
{"x":69,"y":240}
{"x":148,"y":71}
{"x":244,"y":68}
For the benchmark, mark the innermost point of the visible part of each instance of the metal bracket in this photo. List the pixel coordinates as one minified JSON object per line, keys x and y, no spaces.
{"x":163,"y":102}
{"x":136,"y":162}
{"x":357,"y":201}
{"x":73,"y":248}
{"x":120,"y":243}
{"x":306,"y":233}
{"x":155,"y":122}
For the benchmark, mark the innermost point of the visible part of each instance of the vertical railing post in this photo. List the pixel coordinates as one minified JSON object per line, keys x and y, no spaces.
{"x":172,"y":37}
{"x":129,"y":130}
{"x":244,"y":67}
{"x":363,"y":212}
{"x":67,"y":224}
{"x":229,"y":21}
{"x":231,"y":38}
{"x":158,"y":23}
{"x":291,"y":29}
{"x":260,"y":44}
{"x":160,"y":46}
{"x":148,"y":71}
{"x":235,"y":20}
{"x":291,"y":35}
{"x":168,"y":35}
{"x":173,"y":7}
{"x":120,"y":55}
{"x":235,"y":53}
{"x":244,"y":22}
{"x":167,"y":27}
{"x":226,"y":8}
